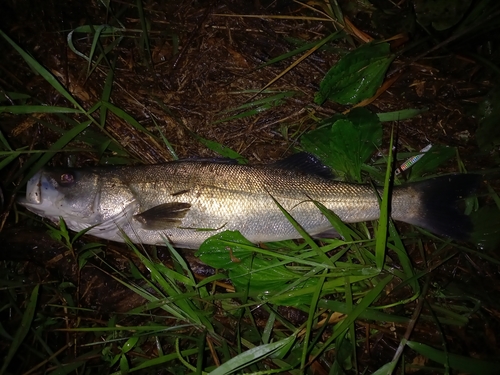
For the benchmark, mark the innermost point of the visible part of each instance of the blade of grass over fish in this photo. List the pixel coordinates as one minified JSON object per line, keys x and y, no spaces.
{"x":381,"y":239}
{"x":356,"y":76}
{"x":340,"y":227}
{"x":303,"y":233}
{"x":36,"y":163}
{"x":361,"y":307}
{"x":24,"y":109}
{"x":455,"y":361}
{"x":253,"y":355}
{"x":38,"y":68}
{"x":22,"y":330}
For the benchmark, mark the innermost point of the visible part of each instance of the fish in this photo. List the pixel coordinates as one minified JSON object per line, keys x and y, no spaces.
{"x":185,"y":202}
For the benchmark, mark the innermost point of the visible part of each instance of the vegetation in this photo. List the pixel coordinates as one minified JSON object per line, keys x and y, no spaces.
{"x":378,"y":300}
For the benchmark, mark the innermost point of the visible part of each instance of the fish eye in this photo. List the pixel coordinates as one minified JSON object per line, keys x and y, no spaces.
{"x":67,"y":179}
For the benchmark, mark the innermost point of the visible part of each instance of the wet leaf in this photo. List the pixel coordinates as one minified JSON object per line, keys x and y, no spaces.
{"x":348,"y":143}
{"x":356,"y":76}
{"x":229,"y":250}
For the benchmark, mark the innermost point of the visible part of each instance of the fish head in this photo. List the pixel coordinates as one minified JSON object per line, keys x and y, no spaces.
{"x":68,"y":193}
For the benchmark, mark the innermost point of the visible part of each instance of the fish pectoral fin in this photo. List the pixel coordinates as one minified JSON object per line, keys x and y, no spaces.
{"x":163,"y":216}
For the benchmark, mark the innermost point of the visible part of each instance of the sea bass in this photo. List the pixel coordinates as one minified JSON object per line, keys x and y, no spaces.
{"x":185,"y":202}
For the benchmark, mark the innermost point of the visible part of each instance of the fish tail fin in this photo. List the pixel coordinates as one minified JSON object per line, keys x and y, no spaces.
{"x":437,"y":208}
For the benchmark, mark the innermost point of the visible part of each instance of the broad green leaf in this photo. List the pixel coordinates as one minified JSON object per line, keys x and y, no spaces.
{"x":348,"y":143}
{"x":229,"y":250}
{"x":356,"y":76}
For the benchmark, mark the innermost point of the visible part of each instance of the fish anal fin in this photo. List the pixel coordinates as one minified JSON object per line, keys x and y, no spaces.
{"x":328,"y":233}
{"x":163,"y":216}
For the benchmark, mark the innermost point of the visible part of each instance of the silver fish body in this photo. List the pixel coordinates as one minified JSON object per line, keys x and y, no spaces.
{"x":185,"y":202}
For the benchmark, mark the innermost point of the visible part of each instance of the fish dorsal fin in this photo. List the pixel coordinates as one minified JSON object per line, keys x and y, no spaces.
{"x":215,"y":160}
{"x":163,"y":216}
{"x":305,"y":163}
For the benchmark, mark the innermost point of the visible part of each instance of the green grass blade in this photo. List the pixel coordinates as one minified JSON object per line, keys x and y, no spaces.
{"x":253,"y":355}
{"x":9,"y":159}
{"x":24,"y":109}
{"x":403,"y":114}
{"x":23,"y":329}
{"x":221,"y":149}
{"x":361,"y":307}
{"x":381,"y":240}
{"x":125,"y":116}
{"x":144,"y":35}
{"x":455,"y":361}
{"x":106,"y":95}
{"x":40,"y":69}
{"x":56,"y":146}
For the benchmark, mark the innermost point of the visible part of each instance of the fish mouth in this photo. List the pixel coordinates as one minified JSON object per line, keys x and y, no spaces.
{"x":33,"y":191}
{"x":41,"y":196}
